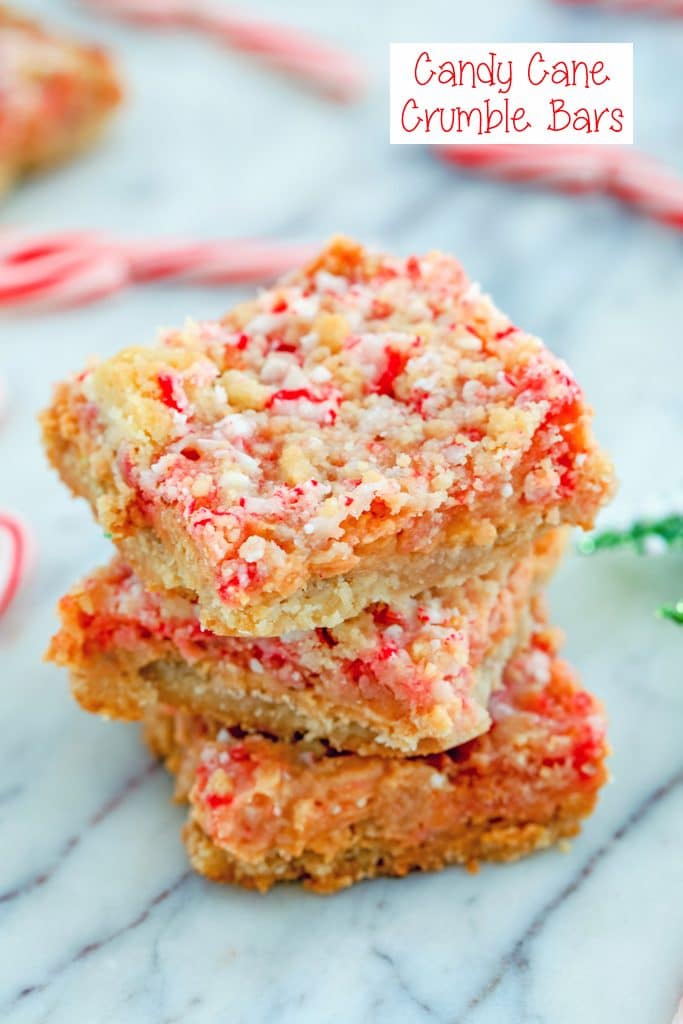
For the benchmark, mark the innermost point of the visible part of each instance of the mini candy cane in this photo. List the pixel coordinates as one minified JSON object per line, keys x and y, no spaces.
{"x":218,"y":262}
{"x":670,"y":8}
{"x":327,"y":68}
{"x":73,"y":268}
{"x":658,"y":530}
{"x":18,"y":561}
{"x":625,"y":174}
{"x":642,"y":184}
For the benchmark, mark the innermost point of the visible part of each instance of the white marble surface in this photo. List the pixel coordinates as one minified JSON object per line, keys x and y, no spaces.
{"x":100,"y":920}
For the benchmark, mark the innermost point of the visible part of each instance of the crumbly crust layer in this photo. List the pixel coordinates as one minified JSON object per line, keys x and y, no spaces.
{"x":56,"y":94}
{"x":264,"y":811}
{"x":408,"y":678}
{"x":368,"y":428}
{"x":488,"y":842}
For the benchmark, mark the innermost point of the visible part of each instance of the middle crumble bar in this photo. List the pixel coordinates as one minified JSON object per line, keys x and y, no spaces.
{"x":407,"y":678}
{"x":369,"y":428}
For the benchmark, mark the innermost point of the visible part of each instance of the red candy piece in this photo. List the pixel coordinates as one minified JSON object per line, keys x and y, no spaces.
{"x":293,"y":395}
{"x":396,"y":362}
{"x":168,"y":396}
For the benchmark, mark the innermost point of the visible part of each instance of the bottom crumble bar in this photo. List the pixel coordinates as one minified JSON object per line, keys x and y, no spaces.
{"x":263,"y":811}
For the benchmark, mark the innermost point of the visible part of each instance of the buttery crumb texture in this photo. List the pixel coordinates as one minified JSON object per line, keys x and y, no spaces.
{"x":413,"y":677}
{"x":55,"y":95}
{"x":263,"y":811}
{"x":368,"y":428}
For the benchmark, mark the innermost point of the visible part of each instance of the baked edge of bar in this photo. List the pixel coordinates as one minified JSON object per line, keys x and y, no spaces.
{"x":489,"y":842}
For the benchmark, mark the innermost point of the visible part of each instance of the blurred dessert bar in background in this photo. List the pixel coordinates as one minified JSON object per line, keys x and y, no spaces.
{"x":55,"y":96}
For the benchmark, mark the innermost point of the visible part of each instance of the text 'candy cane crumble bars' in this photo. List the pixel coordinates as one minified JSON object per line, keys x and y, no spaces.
{"x":55,"y":95}
{"x":412,"y":677}
{"x":370,"y":427}
{"x":263,"y":811}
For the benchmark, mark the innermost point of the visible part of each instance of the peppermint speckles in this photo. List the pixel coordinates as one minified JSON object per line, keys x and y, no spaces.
{"x":253,"y":549}
{"x":473,"y":392}
{"x":541,"y":484}
{"x":537,"y":666}
{"x":320,"y":375}
{"x":334,"y":283}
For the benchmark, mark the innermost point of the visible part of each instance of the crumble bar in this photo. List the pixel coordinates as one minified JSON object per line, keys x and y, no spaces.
{"x":368,"y":428}
{"x":55,"y":95}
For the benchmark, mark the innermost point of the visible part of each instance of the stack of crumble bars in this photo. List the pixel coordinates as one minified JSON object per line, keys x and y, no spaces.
{"x":334,"y":511}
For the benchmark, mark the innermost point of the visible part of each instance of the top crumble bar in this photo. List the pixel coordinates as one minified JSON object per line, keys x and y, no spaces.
{"x":369,"y":427}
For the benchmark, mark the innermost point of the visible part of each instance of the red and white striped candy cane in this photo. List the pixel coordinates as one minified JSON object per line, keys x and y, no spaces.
{"x":668,"y":8}
{"x":644,"y":185}
{"x":627,"y":175}
{"x":73,"y":267}
{"x":214,"y":262}
{"x":19,"y":547}
{"x":59,"y":270}
{"x":323,"y":66}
